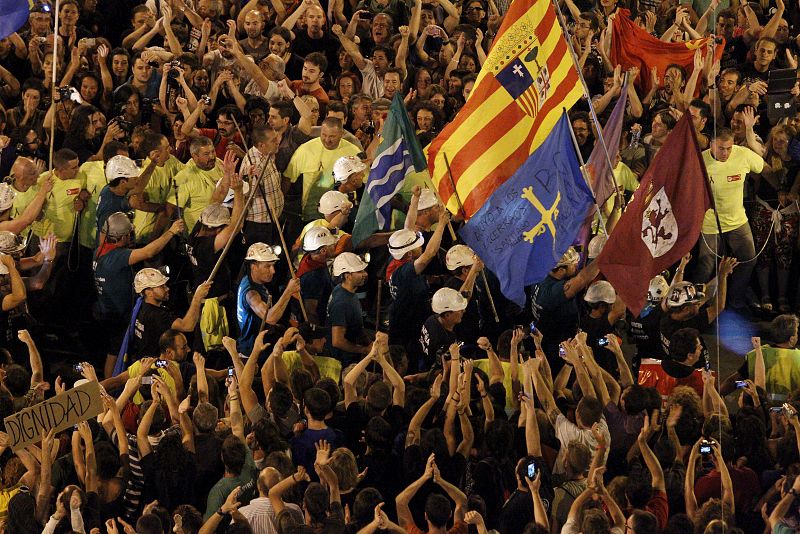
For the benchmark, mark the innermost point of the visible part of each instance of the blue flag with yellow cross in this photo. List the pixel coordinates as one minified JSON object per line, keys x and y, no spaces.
{"x":528,"y":223}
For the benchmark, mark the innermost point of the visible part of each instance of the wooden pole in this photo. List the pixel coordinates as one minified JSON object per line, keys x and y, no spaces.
{"x":272,"y":216}
{"x":464,"y":214}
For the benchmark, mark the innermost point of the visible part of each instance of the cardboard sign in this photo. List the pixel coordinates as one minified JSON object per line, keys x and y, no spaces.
{"x":60,"y":412}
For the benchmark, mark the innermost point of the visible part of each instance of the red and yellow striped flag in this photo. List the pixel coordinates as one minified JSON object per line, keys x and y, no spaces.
{"x":526,"y":80}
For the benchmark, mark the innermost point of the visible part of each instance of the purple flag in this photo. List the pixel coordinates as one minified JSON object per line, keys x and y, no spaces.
{"x":603,"y":183}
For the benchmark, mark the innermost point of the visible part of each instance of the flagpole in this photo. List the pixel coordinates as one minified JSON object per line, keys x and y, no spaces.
{"x":271,"y":214}
{"x":583,"y":172}
{"x":464,"y":213}
{"x":53,"y":86}
{"x":588,"y":98}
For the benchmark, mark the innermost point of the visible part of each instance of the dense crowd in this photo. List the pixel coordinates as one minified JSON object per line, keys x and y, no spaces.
{"x":176,"y":224}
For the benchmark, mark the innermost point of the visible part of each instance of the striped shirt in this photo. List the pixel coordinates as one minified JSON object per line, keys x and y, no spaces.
{"x":261,"y":516}
{"x":268,"y":188}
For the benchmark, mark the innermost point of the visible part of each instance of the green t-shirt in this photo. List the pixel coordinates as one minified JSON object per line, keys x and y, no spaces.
{"x":93,"y":175}
{"x":195,"y":187}
{"x":782,"y":370}
{"x":59,"y":210}
{"x":225,"y":485}
{"x":158,"y":189}
{"x":312,"y":161}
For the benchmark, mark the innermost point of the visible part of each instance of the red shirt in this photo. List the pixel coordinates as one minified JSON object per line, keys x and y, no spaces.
{"x":318,"y":93}
{"x":221,"y":142}
{"x":652,"y":374}
{"x":746,"y":488}
{"x":659,"y":507}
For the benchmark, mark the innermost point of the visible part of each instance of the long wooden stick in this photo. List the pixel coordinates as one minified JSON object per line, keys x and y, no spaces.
{"x":378,"y":306}
{"x":271,"y":215}
{"x":461,"y":208}
{"x":53,"y":88}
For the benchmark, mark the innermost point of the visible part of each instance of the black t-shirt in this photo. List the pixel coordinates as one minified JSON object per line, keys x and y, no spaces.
{"x":171,"y":490}
{"x":151,"y":322}
{"x":203,"y":257}
{"x":317,"y":285}
{"x":433,"y":341}
{"x":555,"y":315}
{"x":645,"y":331}
{"x":750,"y":74}
{"x":327,"y":44}
{"x":210,"y":468}
{"x":469,"y":329}
{"x":669,"y":326}
{"x":596,"y":329}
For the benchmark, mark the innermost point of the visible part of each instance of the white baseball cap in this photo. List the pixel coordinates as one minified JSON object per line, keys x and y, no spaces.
{"x":459,"y":256}
{"x":601,"y":291}
{"x":427,"y":199}
{"x":347,"y":262}
{"x":448,"y":299}
{"x":148,"y":278}
{"x":333,"y":201}
{"x":121,"y":167}
{"x":260,"y":252}
{"x":346,"y":166}
{"x":317,"y":237}
{"x":7,"y":196}
{"x":215,"y":215}
{"x":403,"y":241}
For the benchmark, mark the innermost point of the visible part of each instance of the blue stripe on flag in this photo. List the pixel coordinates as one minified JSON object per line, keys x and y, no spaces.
{"x":392,"y":166}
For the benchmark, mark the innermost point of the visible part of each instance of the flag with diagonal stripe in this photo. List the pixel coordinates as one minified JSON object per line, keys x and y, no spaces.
{"x":525,"y":83}
{"x":398,"y":155}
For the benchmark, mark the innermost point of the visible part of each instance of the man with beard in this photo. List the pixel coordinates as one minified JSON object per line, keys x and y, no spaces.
{"x":313,"y":71}
{"x":197,"y":181}
{"x":314,"y":38}
{"x":345,"y":319}
{"x":225,"y":136}
{"x":314,"y":161}
{"x":113,"y":277}
{"x":255,"y":44}
{"x":153,"y":319}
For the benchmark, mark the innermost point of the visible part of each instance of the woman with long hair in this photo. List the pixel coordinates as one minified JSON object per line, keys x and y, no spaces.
{"x":85,"y":124}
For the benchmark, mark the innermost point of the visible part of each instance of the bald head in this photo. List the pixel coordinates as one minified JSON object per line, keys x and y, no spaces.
{"x":268,"y":477}
{"x":25,"y":173}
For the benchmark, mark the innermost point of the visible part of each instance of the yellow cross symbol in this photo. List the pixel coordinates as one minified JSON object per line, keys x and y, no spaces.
{"x":548,"y":215}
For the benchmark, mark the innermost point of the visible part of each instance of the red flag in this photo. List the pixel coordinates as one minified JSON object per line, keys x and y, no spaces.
{"x":663,"y":221}
{"x":631,"y":46}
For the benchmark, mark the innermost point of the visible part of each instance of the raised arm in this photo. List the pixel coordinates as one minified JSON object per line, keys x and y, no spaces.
{"x":350,"y":379}
{"x":147,"y":421}
{"x":432,"y":247}
{"x":404,"y":516}
{"x":247,"y":375}
{"x":414,"y":433}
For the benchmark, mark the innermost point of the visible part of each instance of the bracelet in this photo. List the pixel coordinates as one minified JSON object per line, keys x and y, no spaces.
{"x":234,"y":398}
{"x":484,"y":395}
{"x":794,"y":493}
{"x":221,"y":513}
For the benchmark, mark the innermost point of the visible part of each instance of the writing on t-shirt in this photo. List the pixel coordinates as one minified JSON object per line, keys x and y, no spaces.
{"x":735,"y":178}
